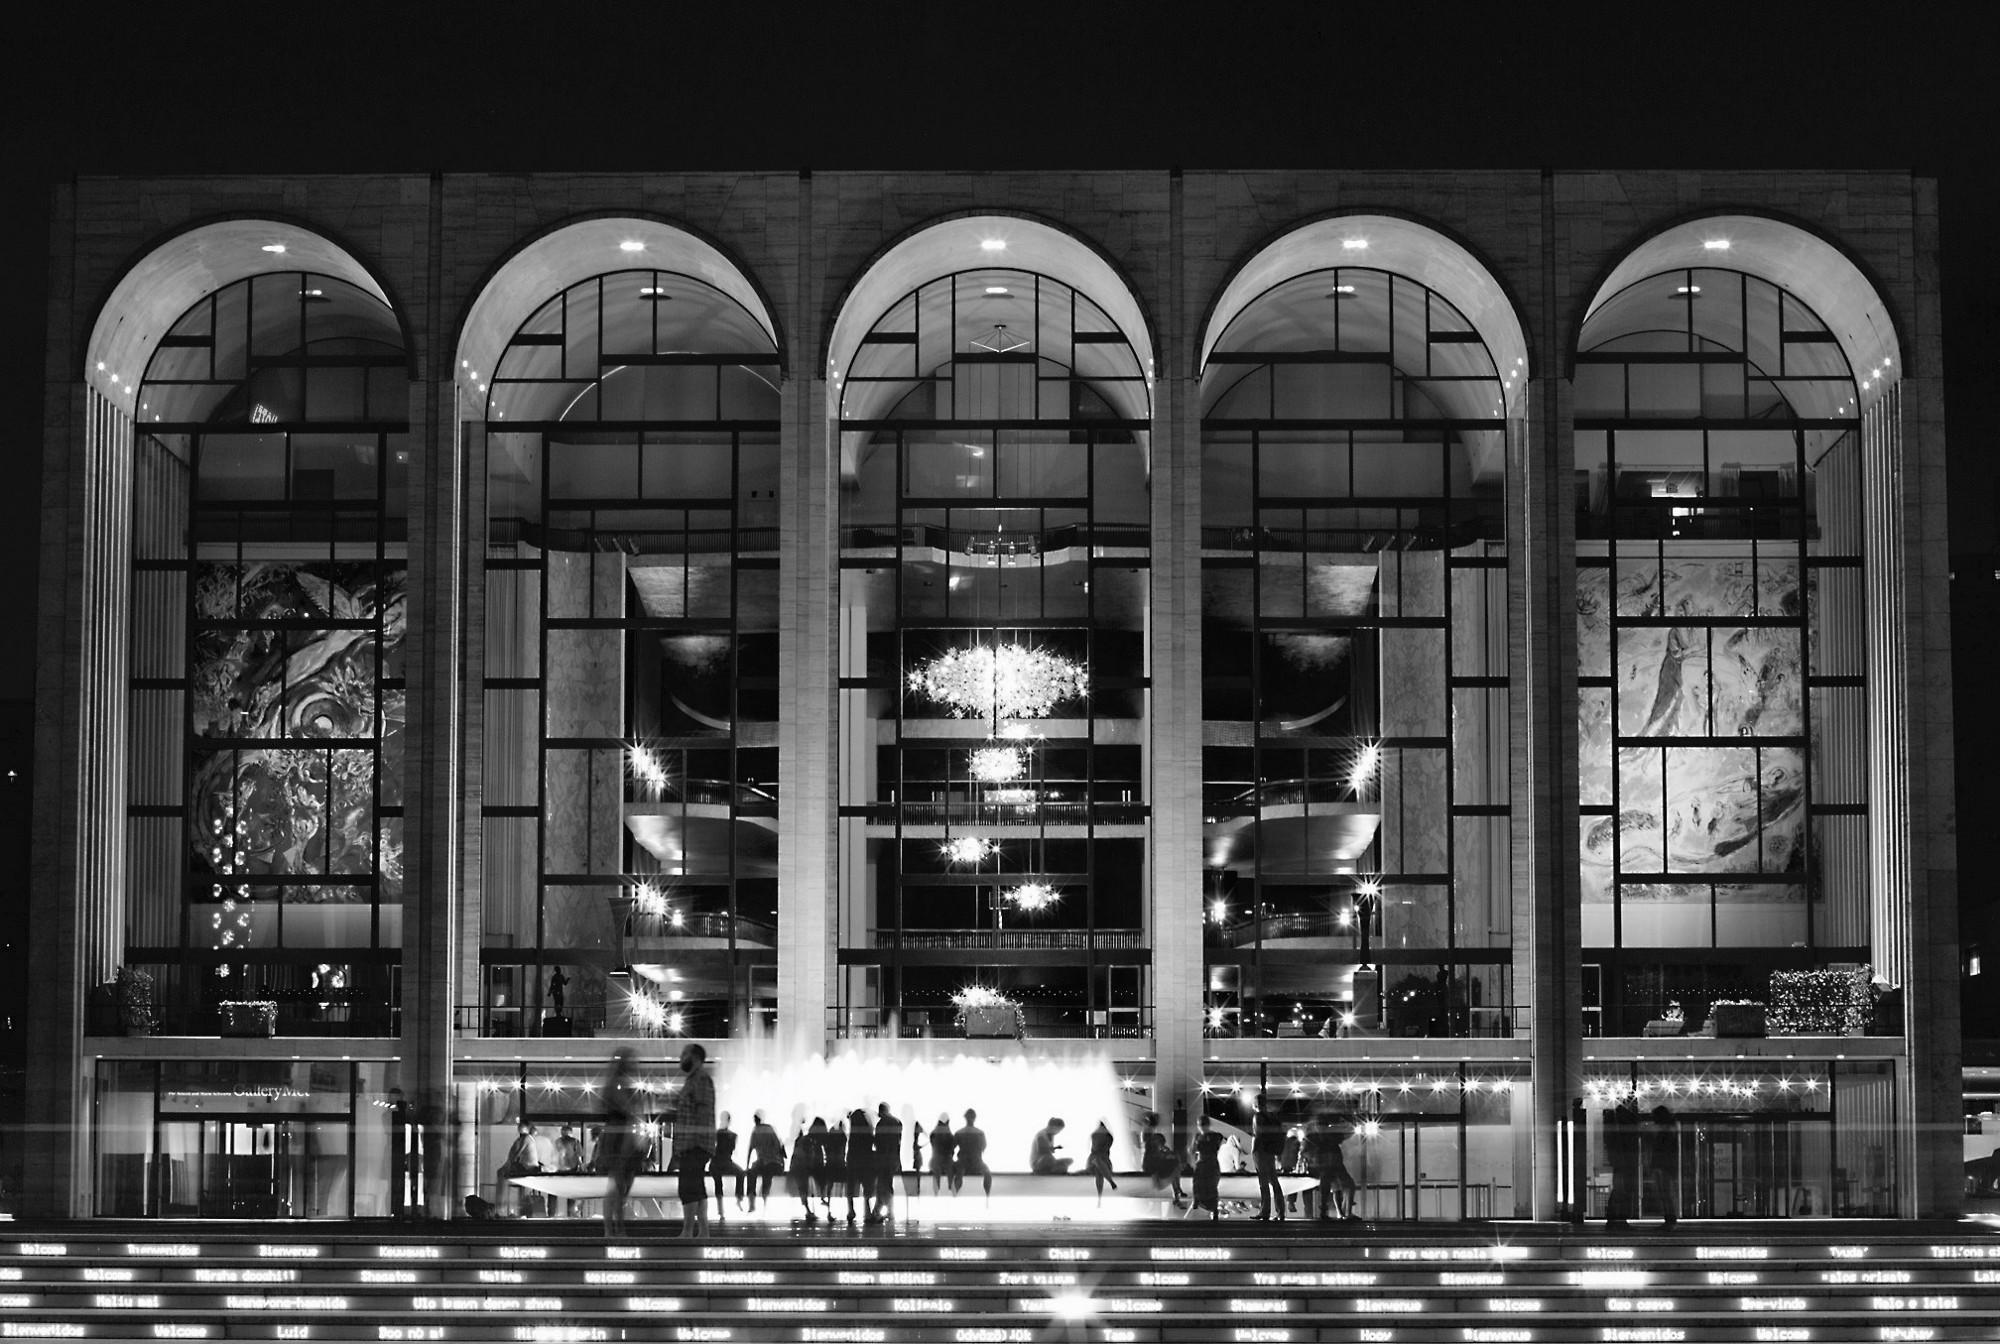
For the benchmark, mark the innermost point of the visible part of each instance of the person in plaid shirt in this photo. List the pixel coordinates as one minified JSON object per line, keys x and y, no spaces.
{"x":694,"y":1139}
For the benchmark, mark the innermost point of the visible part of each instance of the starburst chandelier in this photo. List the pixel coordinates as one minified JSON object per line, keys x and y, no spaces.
{"x":998,"y":765}
{"x":1033,"y":895}
{"x":1010,"y":682}
{"x":968,"y":849}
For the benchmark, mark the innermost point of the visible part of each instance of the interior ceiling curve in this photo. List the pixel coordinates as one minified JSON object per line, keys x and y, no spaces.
{"x":151,"y":296}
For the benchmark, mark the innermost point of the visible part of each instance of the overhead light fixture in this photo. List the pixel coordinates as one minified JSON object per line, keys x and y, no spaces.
{"x":655,"y":293}
{"x":1688,"y":291}
{"x":1354,"y":244}
{"x":1010,"y":682}
{"x":1000,"y":341}
{"x":1715,"y":244}
{"x":1340,"y":292}
{"x":1033,"y":895}
{"x":992,"y":244}
{"x":998,"y":765}
{"x":968,"y":849}
{"x":314,"y":296}
{"x":278,"y":248}
{"x":998,"y":290}
{"x":631,"y":245}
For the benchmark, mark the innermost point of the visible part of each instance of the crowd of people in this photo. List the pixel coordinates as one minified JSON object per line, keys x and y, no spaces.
{"x":856,"y":1158}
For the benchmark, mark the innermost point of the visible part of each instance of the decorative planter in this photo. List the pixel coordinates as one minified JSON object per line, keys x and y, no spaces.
{"x":249,"y":1017}
{"x":1737,"y":1019}
{"x":991,"y":1020}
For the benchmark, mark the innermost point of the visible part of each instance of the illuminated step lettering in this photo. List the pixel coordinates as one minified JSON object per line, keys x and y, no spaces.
{"x":1521,"y":1304}
{"x":409,"y":1332}
{"x":524,"y":1252}
{"x":1069,"y":1253}
{"x":1609,"y":1278}
{"x":127,"y":1301}
{"x":1034,"y":1278}
{"x":621,"y":1253}
{"x":1848,"y":1252}
{"x":1471,"y":1279}
{"x":1964,"y":1252}
{"x":1733,"y":1278}
{"x":502,"y":1276}
{"x":1191,"y":1253}
{"x":961,"y":1252}
{"x":661,"y":1304}
{"x":106,"y":1274}
{"x":515,"y":1304}
{"x":1913,"y":1303}
{"x":1770,"y":1304}
{"x":1782,"y":1334}
{"x":173,"y":1250}
{"x":1154,"y":1279}
{"x":701,"y":1334}
{"x":1732,"y":1252}
{"x":408,"y":1252}
{"x":1643,"y":1334}
{"x":922,"y":1304}
{"x":977,"y":1334}
{"x":749,"y":1277}
{"x":1478,"y":1334}
{"x":886,"y":1278}
{"x":1908,"y":1332}
{"x":610,"y":1278}
{"x":293,"y":1332}
{"x":259,"y":1302}
{"x":561,"y":1332}
{"x":1261,"y":1334}
{"x":764,"y":1305}
{"x":1610,"y":1253}
{"x":180,"y":1332}
{"x":843,"y":1334}
{"x":43,"y":1248}
{"x":41,"y":1330}
{"x":202,"y":1275}
{"x":1249,"y":1306}
{"x":282,"y":1251}
{"x":389,"y":1276}
{"x":843,"y":1253}
{"x":1395,"y":1304}
{"x":1653,"y":1304}
{"x":16,"y":1301}
{"x":10,"y":1273}
{"x":1376,"y":1336}
{"x":722,"y":1252}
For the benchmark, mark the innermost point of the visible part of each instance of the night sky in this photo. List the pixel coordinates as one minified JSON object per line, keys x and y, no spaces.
{"x":671,"y":87}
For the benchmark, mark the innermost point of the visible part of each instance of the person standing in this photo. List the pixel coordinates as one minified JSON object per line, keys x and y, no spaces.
{"x":944,"y":1149}
{"x":767,"y":1158}
{"x":888,"y":1161}
{"x":1098,"y":1164}
{"x":833,"y":1171}
{"x":809,"y":1165}
{"x":436,"y":1180}
{"x":1207,"y":1169}
{"x":1621,"y":1150}
{"x":724,"y":1164}
{"x":1330,"y":1168}
{"x":620,"y":1147}
{"x":1291,"y":1161}
{"x":1042,"y":1159}
{"x":860,"y":1160}
{"x":568,"y":1161}
{"x":1267,"y":1140}
{"x":1160,"y":1161}
{"x":694,"y":1138}
{"x":971,"y":1146}
{"x":1663,"y":1163}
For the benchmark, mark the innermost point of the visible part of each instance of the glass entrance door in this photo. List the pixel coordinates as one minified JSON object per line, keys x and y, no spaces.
{"x":1409,"y":1167}
{"x":1756,"y":1165}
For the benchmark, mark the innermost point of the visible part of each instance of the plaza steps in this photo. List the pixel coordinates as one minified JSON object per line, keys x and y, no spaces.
{"x":1820,"y":1282}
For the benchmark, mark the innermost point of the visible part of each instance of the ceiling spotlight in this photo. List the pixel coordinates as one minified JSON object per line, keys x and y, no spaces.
{"x":278,"y":248}
{"x":1340,"y":291}
{"x":1688,"y":291}
{"x":631,"y":245}
{"x":1354,"y":244}
{"x":997,"y":290}
{"x":1715,"y":244}
{"x":992,"y":244}
{"x":655,"y":293}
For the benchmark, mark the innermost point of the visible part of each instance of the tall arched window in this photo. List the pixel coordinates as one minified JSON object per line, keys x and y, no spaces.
{"x":994,"y":587}
{"x":1354,"y":665}
{"x":1722,"y":714}
{"x":266,"y":748}
{"x":630,"y":777}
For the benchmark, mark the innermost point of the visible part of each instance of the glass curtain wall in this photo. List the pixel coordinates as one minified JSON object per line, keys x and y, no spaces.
{"x":264,"y":831}
{"x":630,"y":766}
{"x":994,"y":589}
{"x":1354,"y":666}
{"x":1721,"y":701}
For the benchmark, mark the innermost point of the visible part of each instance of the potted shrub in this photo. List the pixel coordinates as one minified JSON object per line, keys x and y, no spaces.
{"x":134,"y":992}
{"x":984,"y":1012}
{"x":1737,"y":1017}
{"x":249,"y":1017}
{"x":1822,"y":1003}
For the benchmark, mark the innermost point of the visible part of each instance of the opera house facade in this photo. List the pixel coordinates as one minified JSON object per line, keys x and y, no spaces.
{"x":1449,"y":651}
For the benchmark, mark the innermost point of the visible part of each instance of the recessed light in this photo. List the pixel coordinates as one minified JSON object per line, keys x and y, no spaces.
{"x":631,"y":245}
{"x":992,"y":244}
{"x":278,"y":248}
{"x":1715,"y":244}
{"x":998,"y":289}
{"x":1340,"y":291}
{"x":1688,"y":291}
{"x":1354,"y":244}
{"x":655,"y":293}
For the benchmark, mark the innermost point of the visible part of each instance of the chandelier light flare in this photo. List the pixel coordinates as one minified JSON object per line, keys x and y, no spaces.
{"x":968,"y":849}
{"x":1365,"y":762}
{"x":1010,"y":682}
{"x":998,"y":765}
{"x":1032,"y":895}
{"x":646,"y":766}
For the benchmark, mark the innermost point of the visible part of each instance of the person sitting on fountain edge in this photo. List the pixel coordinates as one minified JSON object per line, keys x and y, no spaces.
{"x":1042,"y":1159}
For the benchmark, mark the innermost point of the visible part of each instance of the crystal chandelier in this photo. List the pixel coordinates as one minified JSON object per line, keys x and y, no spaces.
{"x":1033,"y":895}
{"x":998,"y":765}
{"x":968,"y":849}
{"x":646,"y":767}
{"x":1010,"y":682}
